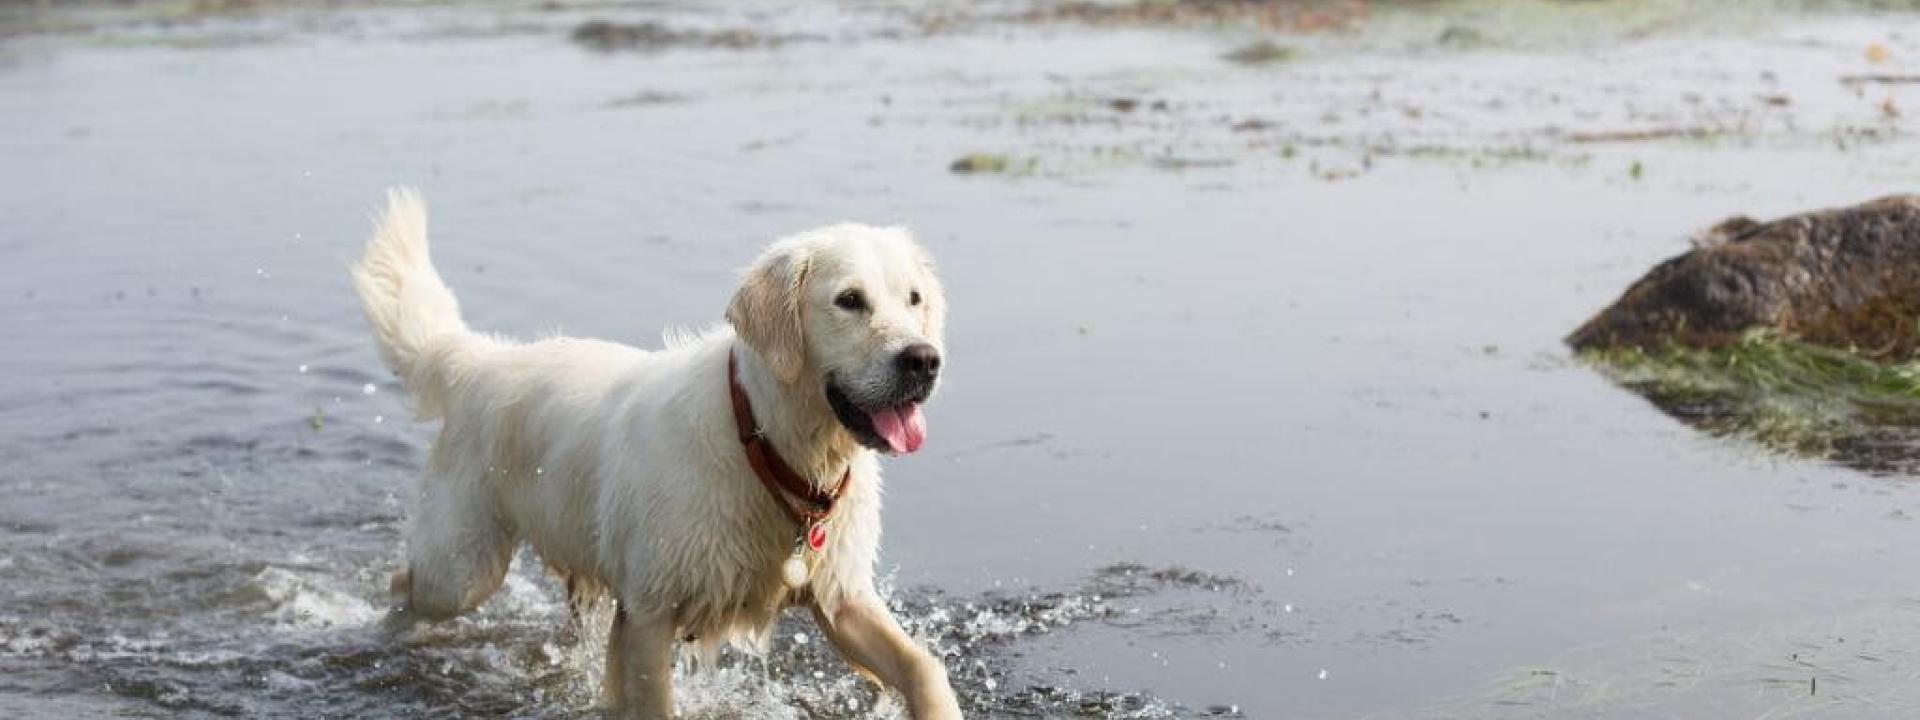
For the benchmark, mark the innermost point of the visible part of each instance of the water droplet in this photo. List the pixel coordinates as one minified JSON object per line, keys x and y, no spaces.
{"x":303,"y":369}
{"x":377,"y":419}
{"x":368,"y":389}
{"x":991,"y":683}
{"x":1287,"y":607}
{"x":1323,"y":673}
{"x":540,"y":471}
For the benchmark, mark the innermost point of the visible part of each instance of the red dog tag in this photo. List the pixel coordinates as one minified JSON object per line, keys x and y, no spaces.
{"x":817,"y":536}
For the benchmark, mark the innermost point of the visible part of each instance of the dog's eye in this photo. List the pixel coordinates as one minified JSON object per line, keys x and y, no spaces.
{"x":913,"y":298}
{"x":851,"y":301}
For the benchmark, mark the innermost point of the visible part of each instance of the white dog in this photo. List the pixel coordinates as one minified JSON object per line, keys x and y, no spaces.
{"x":667,"y":478}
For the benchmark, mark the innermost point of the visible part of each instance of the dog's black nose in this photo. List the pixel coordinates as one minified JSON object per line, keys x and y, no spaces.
{"x":920,"y":361}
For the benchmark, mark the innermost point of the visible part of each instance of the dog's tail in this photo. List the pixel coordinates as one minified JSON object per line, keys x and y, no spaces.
{"x":416,"y":321}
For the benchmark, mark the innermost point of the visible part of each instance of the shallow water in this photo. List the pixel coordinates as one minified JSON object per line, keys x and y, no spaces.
{"x":1267,"y":418}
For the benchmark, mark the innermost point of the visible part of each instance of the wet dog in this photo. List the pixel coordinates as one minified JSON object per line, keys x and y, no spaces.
{"x":626,"y":469}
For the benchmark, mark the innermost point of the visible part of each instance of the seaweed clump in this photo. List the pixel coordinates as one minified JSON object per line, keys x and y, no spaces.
{"x":1288,"y":15}
{"x":1786,"y":393}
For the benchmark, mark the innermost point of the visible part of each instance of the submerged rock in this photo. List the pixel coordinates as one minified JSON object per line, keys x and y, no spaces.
{"x":608,"y":36}
{"x":1261,"y":52}
{"x":1846,"y":278}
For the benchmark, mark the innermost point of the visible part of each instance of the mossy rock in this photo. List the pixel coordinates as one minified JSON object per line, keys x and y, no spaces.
{"x":1847,"y":278}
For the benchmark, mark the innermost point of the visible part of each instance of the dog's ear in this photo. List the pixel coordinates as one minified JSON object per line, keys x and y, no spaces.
{"x":766,"y":310}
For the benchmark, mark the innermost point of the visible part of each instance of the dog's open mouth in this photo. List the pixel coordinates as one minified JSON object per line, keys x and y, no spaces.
{"x":898,"y":428}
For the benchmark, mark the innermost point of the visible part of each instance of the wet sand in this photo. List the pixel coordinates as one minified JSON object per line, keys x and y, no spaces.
{"x":1257,"y":401}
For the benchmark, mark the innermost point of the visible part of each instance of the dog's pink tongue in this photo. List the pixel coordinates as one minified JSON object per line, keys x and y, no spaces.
{"x":904,"y":428}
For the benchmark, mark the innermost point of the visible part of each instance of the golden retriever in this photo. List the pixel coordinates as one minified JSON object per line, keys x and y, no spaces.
{"x":624,"y":468}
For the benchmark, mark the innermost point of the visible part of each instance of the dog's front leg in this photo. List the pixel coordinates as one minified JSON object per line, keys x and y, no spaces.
{"x":639,"y":681}
{"x":871,"y":640}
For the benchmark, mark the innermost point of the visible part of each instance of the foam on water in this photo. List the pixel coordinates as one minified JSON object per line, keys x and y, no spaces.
{"x":523,"y":643}
{"x":305,"y":602}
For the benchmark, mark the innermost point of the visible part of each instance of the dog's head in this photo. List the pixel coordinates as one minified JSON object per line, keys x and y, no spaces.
{"x":857,"y":310}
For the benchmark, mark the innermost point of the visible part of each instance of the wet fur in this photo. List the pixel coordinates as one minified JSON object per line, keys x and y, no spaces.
{"x":621,"y":468}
